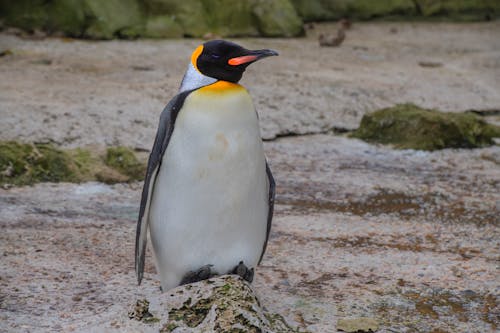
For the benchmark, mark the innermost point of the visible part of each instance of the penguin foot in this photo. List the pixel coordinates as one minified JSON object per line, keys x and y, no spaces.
{"x":200,"y":274}
{"x":242,"y":270}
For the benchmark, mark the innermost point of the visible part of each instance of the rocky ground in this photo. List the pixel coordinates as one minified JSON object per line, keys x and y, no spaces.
{"x":409,"y":239}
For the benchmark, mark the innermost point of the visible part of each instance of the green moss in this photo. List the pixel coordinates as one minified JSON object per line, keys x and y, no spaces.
{"x":230,"y":18}
{"x":27,"y":164}
{"x":449,"y":10}
{"x":67,"y":16}
{"x":277,"y":18}
{"x":124,"y":160}
{"x":460,"y":10}
{"x":22,"y":164}
{"x":162,"y":27}
{"x":105,"y":19}
{"x":140,"y":312}
{"x":24,"y":14}
{"x":407,"y":126}
{"x":169,"y":327}
{"x":190,"y":15}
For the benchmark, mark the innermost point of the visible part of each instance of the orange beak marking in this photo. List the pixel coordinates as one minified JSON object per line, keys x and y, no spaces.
{"x":241,"y":60}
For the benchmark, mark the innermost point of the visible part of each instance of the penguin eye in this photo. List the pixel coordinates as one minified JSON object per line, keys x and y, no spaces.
{"x":215,"y":56}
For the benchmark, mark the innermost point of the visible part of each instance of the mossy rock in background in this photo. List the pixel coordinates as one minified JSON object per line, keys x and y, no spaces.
{"x":163,"y":26}
{"x":22,"y":164}
{"x":277,"y":18}
{"x":67,"y":16}
{"x":188,"y":14}
{"x":24,"y":14}
{"x":460,"y":10}
{"x":27,"y":164}
{"x":323,"y":10}
{"x":195,"y":18}
{"x":230,"y":18}
{"x":407,"y":126}
{"x":124,"y":160}
{"x":107,"y":18}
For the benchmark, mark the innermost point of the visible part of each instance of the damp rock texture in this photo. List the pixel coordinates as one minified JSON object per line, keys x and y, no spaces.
{"x":364,"y":236}
{"x":407,"y":126}
{"x":220,"y":304}
{"x":76,"y":93}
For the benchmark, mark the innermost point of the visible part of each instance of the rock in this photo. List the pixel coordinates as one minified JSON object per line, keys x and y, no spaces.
{"x":407,"y":126}
{"x":107,"y":18}
{"x":357,"y":325}
{"x":221,"y":304}
{"x":461,"y":10}
{"x":190,"y":15}
{"x":230,"y":18}
{"x":89,"y":18}
{"x":277,"y":18}
{"x":321,"y":10}
{"x":124,"y":160}
{"x":23,"y":164}
{"x":28,"y":164}
{"x":24,"y":14}
{"x":154,"y":18}
{"x":162,"y":27}
{"x":67,"y":16}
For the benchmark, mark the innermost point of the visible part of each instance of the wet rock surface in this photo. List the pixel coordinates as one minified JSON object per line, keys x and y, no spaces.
{"x":407,"y":239}
{"x":75,"y":93}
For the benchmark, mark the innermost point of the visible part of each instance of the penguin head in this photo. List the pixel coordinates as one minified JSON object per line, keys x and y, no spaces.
{"x":226,"y":61}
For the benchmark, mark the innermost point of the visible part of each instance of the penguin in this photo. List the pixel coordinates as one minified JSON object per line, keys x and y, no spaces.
{"x":208,"y":194}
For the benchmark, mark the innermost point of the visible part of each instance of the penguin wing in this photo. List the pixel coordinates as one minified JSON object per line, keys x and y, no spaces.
{"x":165,"y":129}
{"x":272,"y":187}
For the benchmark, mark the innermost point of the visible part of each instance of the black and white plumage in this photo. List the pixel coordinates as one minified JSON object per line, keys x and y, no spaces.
{"x":208,"y":195}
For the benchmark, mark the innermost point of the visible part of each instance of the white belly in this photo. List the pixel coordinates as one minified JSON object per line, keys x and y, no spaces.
{"x":210,"y":201}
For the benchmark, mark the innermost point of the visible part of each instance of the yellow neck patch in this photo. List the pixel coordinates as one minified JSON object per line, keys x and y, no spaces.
{"x":195,"y":55}
{"x":221,"y":86}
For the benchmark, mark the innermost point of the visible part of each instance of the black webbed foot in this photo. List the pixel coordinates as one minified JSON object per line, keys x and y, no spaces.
{"x":202,"y":273}
{"x":242,"y":270}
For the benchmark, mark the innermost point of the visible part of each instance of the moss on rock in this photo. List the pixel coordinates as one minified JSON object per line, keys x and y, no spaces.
{"x":67,"y":16}
{"x":24,"y":14}
{"x":22,"y":164}
{"x":321,"y":10}
{"x":229,"y":306}
{"x":124,"y":160}
{"x":163,"y":26}
{"x":277,"y":18}
{"x":27,"y":164}
{"x":460,"y":10}
{"x":105,"y":19}
{"x":407,"y":126}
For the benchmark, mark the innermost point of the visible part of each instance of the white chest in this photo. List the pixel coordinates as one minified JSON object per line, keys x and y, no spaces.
{"x":210,"y":201}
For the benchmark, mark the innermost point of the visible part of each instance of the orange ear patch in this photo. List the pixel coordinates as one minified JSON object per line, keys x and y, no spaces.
{"x":195,"y":55}
{"x":241,"y":60}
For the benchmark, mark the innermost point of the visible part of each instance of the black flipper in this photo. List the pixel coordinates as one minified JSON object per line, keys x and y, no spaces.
{"x":272,"y":189}
{"x":165,"y":129}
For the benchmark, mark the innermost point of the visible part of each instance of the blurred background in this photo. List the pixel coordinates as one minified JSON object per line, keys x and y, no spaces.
{"x":380,"y":121}
{"x":197,"y":18}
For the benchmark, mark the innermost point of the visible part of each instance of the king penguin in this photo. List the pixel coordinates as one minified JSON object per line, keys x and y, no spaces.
{"x":208,"y":195}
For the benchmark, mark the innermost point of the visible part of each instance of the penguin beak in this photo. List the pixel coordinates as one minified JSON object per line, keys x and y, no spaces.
{"x":251,"y":56}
